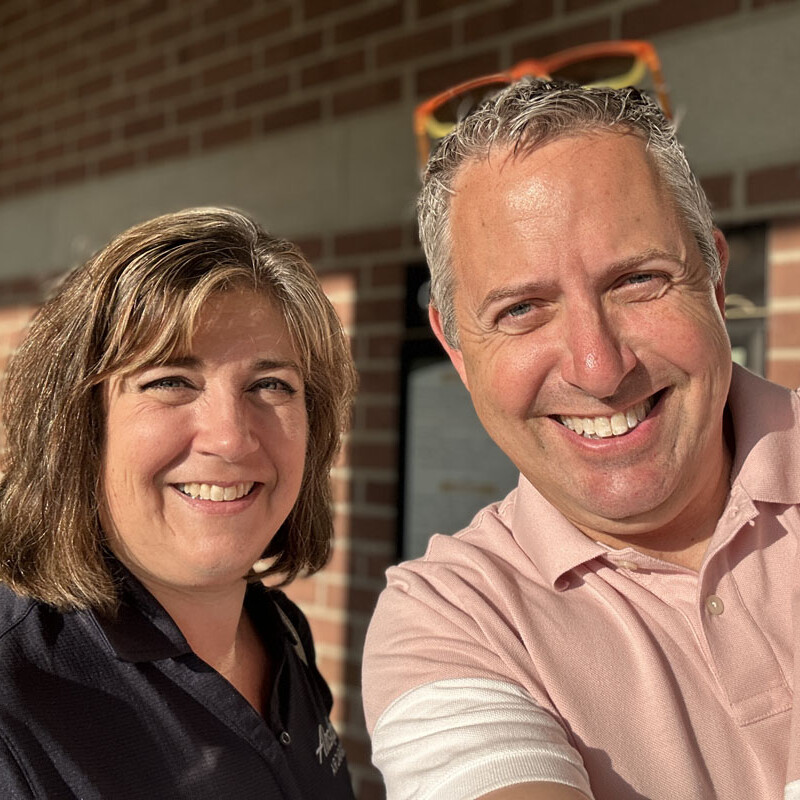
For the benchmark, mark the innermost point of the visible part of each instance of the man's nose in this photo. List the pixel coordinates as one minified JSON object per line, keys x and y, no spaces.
{"x":596,"y":357}
{"x":226,"y":426}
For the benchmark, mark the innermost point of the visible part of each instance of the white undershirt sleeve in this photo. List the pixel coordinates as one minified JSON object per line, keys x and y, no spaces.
{"x":462,"y":738}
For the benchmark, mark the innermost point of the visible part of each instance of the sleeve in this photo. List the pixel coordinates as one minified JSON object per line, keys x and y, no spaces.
{"x":451,"y":697}
{"x":461,"y":739}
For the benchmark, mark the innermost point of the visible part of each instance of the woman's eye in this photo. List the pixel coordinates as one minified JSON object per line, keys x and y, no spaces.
{"x":169,"y":382}
{"x":274,"y":385}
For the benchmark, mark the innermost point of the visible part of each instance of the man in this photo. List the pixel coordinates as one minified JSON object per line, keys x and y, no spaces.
{"x":620,"y":626}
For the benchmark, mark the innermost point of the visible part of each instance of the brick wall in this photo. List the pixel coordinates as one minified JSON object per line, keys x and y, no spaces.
{"x":783,"y":287}
{"x":91,"y":87}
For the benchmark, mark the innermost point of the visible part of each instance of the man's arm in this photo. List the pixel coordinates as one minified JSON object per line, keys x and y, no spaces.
{"x":536,"y":791}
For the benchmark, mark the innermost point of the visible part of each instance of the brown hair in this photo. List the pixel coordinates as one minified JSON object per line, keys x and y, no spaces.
{"x":132,"y":304}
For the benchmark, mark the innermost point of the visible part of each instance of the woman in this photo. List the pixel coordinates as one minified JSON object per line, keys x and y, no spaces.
{"x":172,"y":417}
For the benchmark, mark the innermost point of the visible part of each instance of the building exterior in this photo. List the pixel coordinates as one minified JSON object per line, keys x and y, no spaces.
{"x":299,"y":112}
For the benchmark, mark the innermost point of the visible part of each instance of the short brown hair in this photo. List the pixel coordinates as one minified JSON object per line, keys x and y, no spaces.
{"x":135,"y":303}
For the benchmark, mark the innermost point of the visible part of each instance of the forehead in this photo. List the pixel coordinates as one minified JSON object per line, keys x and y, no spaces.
{"x":574,"y":203}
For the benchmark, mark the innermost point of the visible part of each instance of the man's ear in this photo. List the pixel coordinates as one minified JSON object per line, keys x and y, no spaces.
{"x":722,"y":251}
{"x":455,"y":354}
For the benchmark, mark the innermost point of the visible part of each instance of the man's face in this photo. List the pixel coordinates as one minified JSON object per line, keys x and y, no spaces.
{"x":591,"y":338}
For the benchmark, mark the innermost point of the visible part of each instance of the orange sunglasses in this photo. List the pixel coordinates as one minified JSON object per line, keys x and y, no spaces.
{"x":614,"y":64}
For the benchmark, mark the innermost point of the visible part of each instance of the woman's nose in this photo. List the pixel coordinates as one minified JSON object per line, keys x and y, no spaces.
{"x":226,"y":427}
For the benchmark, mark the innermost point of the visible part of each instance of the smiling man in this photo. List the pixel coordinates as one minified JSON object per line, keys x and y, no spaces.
{"x":620,"y":626}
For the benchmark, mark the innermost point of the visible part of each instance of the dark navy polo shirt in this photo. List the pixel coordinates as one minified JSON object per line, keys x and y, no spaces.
{"x":122,"y":709}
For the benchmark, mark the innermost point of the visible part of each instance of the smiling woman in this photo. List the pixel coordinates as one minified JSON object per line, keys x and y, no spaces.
{"x":172,"y":418}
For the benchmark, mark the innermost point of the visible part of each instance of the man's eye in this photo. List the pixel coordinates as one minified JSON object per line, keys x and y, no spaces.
{"x":519,"y":310}
{"x":640,"y":277}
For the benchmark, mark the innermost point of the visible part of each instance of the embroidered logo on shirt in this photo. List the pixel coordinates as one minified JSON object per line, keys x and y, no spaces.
{"x":329,"y":746}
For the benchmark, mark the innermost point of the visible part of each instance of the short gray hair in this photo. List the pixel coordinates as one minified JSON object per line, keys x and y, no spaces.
{"x":532,"y":113}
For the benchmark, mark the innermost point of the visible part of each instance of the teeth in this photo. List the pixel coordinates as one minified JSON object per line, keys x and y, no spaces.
{"x":211,"y":491}
{"x":605,"y":427}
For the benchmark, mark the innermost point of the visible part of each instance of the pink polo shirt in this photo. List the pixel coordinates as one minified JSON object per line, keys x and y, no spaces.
{"x":519,"y":649}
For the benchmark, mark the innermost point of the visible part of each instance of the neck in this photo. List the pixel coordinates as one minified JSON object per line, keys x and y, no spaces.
{"x":220,"y":632}
{"x":684,"y":539}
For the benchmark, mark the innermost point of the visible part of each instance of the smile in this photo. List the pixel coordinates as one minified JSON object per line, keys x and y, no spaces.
{"x":214,"y":492}
{"x":607,"y":427}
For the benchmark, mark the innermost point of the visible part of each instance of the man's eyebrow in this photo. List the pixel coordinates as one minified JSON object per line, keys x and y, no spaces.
{"x":533,"y":288}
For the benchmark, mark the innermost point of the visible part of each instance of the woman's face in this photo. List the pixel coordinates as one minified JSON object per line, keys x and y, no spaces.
{"x":203,"y":457}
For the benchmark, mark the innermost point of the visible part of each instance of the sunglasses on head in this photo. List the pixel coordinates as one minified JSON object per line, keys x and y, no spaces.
{"x":612,"y":64}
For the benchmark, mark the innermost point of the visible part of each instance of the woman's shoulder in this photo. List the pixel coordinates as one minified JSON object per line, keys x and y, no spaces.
{"x":16,"y":611}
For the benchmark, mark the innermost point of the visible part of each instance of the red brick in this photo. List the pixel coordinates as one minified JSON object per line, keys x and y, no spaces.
{"x":334,"y":69}
{"x":663,"y":15}
{"x":144,"y":125}
{"x":382,"y":493}
{"x":199,"y":110}
{"x":719,"y":190}
{"x":144,"y":69}
{"x":784,"y":280}
{"x":119,"y":105}
{"x":381,"y":418}
{"x":363,"y":97}
{"x":312,"y":249}
{"x":765,"y":3}
{"x":227,"y":134}
{"x":427,"y":8}
{"x":513,"y":16}
{"x":784,"y":330}
{"x":412,"y":46}
{"x":540,"y":46}
{"x":47,"y":102}
{"x":368,"y":454}
{"x":367,"y":24}
{"x":102,"y":29}
{"x":387,"y":346}
{"x":784,"y":235}
{"x":90,"y":141}
{"x":68,"y":121}
{"x":265,"y":26}
{"x":261,"y":91}
{"x":116,"y":51}
{"x":289,"y":116}
{"x":378,"y":381}
{"x":170,"y":148}
{"x":786,"y":373}
{"x":579,"y":5}
{"x":69,"y":174}
{"x":29,"y":184}
{"x":773,"y":184}
{"x":49,"y":152}
{"x":224,"y":9}
{"x":30,"y":84}
{"x":151,"y":8}
{"x":202,"y":48}
{"x":315,"y":8}
{"x":448,"y":73}
{"x":391,"y":310}
{"x":371,"y":241}
{"x":29,"y":134}
{"x":292,"y":49}
{"x":115,"y":163}
{"x":171,"y":30}
{"x":171,"y":89}
{"x":94,"y":85}
{"x":233,"y":68}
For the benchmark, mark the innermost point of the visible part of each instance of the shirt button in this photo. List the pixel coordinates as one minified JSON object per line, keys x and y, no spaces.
{"x":631,"y":565}
{"x":714,"y":605}
{"x":285,"y":738}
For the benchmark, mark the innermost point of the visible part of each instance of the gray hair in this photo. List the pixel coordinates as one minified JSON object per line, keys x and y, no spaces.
{"x":532,"y":113}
